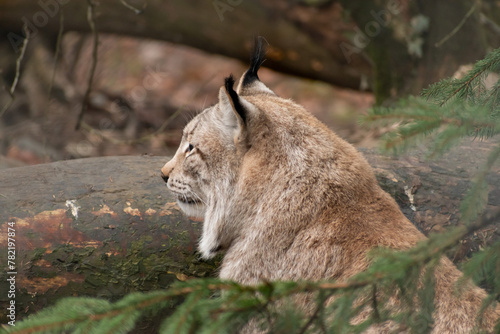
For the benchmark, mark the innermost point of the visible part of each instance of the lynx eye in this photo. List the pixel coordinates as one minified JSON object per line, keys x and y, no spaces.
{"x":189,"y":148}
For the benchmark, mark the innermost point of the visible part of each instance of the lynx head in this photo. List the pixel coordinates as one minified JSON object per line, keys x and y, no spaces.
{"x":253,"y":159}
{"x":210,"y":152}
{"x":204,"y":170}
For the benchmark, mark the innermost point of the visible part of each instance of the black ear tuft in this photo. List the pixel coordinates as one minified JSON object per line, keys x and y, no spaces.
{"x":257,"y":58}
{"x":234,"y":98}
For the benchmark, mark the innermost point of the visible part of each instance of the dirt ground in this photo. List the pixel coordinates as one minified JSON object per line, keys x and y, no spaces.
{"x":143,"y":93}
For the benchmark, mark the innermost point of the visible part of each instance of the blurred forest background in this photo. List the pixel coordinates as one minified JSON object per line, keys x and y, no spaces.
{"x":90,"y":78}
{"x":98,"y":78}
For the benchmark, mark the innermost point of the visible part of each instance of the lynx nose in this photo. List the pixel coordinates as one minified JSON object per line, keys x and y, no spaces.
{"x":166,"y":170}
{"x":164,"y":177}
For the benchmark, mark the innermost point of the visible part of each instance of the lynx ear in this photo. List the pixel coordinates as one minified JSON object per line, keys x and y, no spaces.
{"x":233,"y":111}
{"x":249,"y":83}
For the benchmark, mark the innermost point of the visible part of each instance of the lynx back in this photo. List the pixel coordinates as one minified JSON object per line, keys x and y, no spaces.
{"x":286,"y":199}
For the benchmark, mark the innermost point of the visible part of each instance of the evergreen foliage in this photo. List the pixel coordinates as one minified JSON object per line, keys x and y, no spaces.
{"x":448,"y":111}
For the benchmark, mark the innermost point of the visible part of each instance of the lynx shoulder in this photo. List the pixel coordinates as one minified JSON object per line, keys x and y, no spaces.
{"x":286,"y":199}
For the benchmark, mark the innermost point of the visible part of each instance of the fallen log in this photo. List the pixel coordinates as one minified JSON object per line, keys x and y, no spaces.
{"x":100,"y":227}
{"x":104,"y":227}
{"x":227,"y":28}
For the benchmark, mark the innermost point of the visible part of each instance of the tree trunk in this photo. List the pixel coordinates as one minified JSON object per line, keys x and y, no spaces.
{"x":224,"y":27}
{"x":104,"y":227}
{"x":407,"y":56}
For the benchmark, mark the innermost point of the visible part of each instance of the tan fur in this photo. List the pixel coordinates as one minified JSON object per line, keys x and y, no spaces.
{"x":287,"y":199}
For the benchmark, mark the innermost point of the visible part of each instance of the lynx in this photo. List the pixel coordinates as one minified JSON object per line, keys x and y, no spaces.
{"x":286,"y":199}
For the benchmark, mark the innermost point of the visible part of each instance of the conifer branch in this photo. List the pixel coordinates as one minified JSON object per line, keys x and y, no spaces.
{"x":140,"y":302}
{"x":376,"y":314}
{"x":476,"y":198}
{"x":464,"y":87}
{"x":454,"y":109}
{"x":432,"y":118}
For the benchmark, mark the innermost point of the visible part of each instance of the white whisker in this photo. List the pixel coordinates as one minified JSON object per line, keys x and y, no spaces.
{"x":204,"y":102}
{"x":197,"y":197}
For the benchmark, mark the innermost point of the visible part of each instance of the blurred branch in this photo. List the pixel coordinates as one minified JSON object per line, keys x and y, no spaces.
{"x":132,"y":8}
{"x":57,"y":52}
{"x":316,"y":315}
{"x":172,"y":117}
{"x":18,"y":70}
{"x":161,"y":128}
{"x":376,"y":313}
{"x":93,"y":130}
{"x":489,"y":24}
{"x":95,"y":46}
{"x":151,"y":135}
{"x":457,"y":28}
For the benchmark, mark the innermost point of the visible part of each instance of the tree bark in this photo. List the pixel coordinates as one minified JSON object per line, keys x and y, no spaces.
{"x":100,"y":227}
{"x":104,"y":227}
{"x":408,"y":57}
{"x":430,"y":192}
{"x":224,"y":27}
